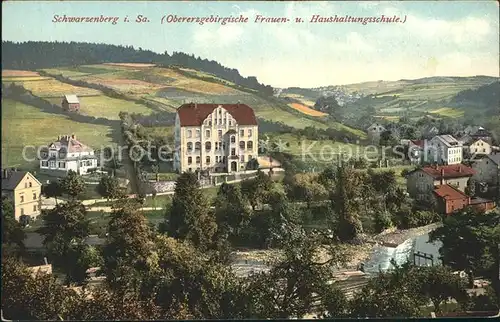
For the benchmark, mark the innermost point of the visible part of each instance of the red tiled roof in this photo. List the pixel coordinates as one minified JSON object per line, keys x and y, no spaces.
{"x":194,"y":114}
{"x":449,"y":171}
{"x":447,"y":192}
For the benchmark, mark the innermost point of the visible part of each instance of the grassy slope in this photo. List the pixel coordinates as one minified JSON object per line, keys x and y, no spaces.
{"x":417,"y":97}
{"x":24,"y":125}
{"x":177,"y":88}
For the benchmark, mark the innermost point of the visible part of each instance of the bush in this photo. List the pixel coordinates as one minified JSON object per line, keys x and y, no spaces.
{"x":382,"y":221}
{"x":421,"y":218}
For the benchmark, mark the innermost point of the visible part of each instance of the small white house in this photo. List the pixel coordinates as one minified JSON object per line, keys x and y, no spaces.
{"x":374,"y":131}
{"x":67,"y":153}
{"x":478,"y":147}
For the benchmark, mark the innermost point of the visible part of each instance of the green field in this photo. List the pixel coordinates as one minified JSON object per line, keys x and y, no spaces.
{"x":106,"y":107}
{"x":448,"y":112}
{"x":24,"y":125}
{"x":172,"y":88}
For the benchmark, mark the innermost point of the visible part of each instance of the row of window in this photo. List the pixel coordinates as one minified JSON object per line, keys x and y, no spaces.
{"x":218,"y":146}
{"x":219,"y":132}
{"x":218,"y":159}
{"x":34,"y":209}
{"x":22,"y":197}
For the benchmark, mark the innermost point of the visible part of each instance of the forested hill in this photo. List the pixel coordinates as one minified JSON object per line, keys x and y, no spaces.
{"x":34,"y":55}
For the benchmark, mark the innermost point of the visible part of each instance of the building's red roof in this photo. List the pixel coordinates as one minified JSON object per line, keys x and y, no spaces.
{"x":419,"y":143}
{"x":194,"y":114}
{"x":447,"y":192}
{"x":449,"y":171}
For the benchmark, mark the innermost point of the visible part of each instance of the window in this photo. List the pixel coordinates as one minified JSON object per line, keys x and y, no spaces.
{"x":242,"y":158}
{"x":197,"y":146}
{"x":190,"y":160}
{"x":220,"y":134}
{"x":484,"y":150}
{"x":197,"y":133}
{"x":208,"y":146}
{"x":216,"y":146}
{"x":233,"y":151}
{"x":26,"y":185}
{"x":224,"y":159}
{"x":34,"y":196}
{"x":242,"y":132}
{"x":233,"y":139}
{"x":250,"y":145}
{"x":190,"y":170}
{"x":208,"y":159}
{"x":242,"y":144}
{"x":210,"y":123}
{"x":230,"y":122}
{"x":22,"y":198}
{"x":249,"y":132}
{"x":30,"y":184}
{"x":220,"y":111}
{"x":207,"y":133}
{"x":190,"y":146}
{"x":62,"y":165}
{"x":198,"y":160}
{"x":34,"y":207}
{"x":45,"y":164}
{"x":189,"y":133}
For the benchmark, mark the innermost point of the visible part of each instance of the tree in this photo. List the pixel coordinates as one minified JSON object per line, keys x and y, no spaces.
{"x":128,"y":252}
{"x":382,"y":221}
{"x":52,"y":190}
{"x":232,"y":210}
{"x":27,"y":297}
{"x":470,"y":241}
{"x":438,"y":283}
{"x":256,"y":189}
{"x":306,"y":187}
{"x":470,"y":190}
{"x":65,"y":228}
{"x":186,"y":279}
{"x":298,"y":279}
{"x":190,"y":216}
{"x":12,"y":231}
{"x":389,"y":294}
{"x":109,"y":188}
{"x":73,"y":184}
{"x":345,"y":202}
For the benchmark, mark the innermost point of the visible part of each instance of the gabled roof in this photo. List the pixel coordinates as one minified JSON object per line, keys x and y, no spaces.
{"x":15,"y":177}
{"x":72,"y":99}
{"x":448,"y":192}
{"x":447,"y":171}
{"x":70,"y":144}
{"x":495,"y":158}
{"x":194,"y":114}
{"x":448,"y":140}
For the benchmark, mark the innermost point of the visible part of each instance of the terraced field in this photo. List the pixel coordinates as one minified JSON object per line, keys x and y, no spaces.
{"x":172,"y":88}
{"x":24,"y":125}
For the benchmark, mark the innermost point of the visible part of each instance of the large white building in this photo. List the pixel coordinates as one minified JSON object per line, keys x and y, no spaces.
{"x":444,"y":149}
{"x":215,"y":137}
{"x":67,"y":153}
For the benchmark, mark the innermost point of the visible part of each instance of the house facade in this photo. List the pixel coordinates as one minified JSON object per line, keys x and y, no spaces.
{"x":420,"y":183}
{"x":23,"y":190}
{"x":488,"y":169}
{"x":444,"y":149}
{"x":70,"y":103}
{"x":416,"y":151}
{"x":215,"y":137}
{"x":67,"y":153}
{"x":477,"y":147}
{"x":449,"y":199}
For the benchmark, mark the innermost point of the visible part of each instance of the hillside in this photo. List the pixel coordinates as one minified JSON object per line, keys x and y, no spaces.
{"x":393,"y":99}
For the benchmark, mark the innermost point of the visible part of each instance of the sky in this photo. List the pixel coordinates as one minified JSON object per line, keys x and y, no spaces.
{"x":437,"y":39}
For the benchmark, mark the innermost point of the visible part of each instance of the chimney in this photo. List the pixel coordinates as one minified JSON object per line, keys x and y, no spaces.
{"x":442,"y":176}
{"x":58,"y":138}
{"x":45,"y":260}
{"x":73,"y":136}
{"x":459,"y":169}
{"x":5,"y":173}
